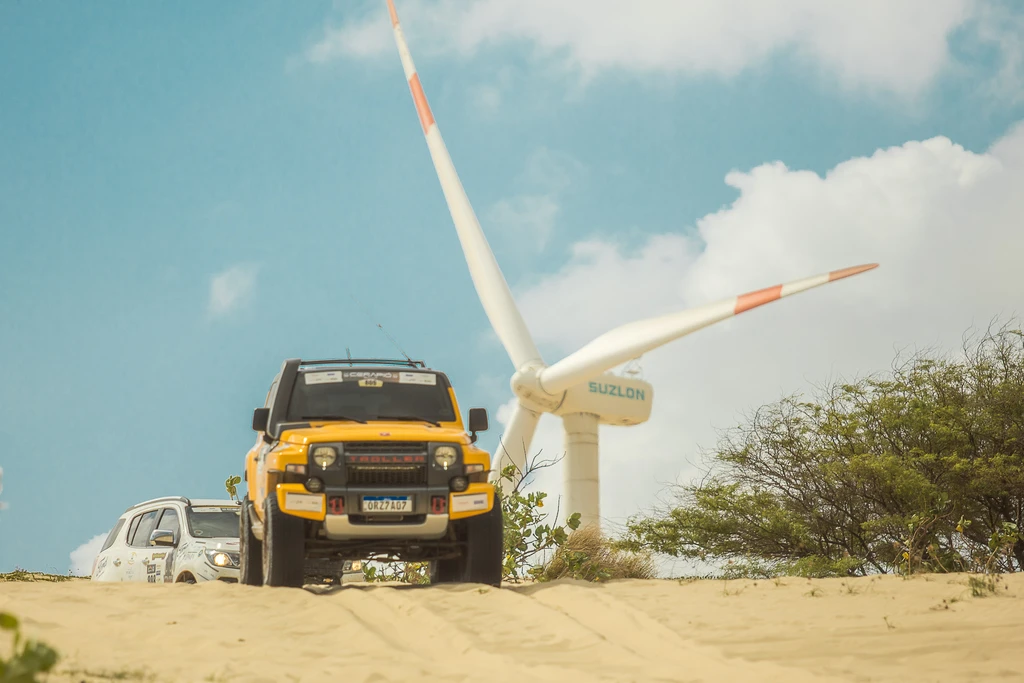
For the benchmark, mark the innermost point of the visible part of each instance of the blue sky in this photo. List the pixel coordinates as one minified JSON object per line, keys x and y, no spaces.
{"x":147,"y":152}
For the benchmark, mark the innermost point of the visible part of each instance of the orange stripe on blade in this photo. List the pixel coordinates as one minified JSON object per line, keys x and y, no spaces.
{"x":744,"y":302}
{"x":422,"y":108}
{"x":393,"y":13}
{"x":847,"y":272}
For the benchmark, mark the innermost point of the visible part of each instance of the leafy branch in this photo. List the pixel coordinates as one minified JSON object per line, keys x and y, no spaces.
{"x":28,"y":657}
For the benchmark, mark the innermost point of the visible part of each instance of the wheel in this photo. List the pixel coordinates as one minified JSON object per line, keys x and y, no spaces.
{"x":485,"y":547}
{"x":186,"y":578}
{"x":284,"y":547}
{"x":250,"y":570}
{"x":482,"y":557}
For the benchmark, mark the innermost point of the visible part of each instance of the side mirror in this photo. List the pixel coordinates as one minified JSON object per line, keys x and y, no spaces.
{"x":162,"y":537}
{"x":477,"y":421}
{"x":260,"y":417}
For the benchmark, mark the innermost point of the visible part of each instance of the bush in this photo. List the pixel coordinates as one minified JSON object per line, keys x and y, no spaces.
{"x":529,"y":540}
{"x":405,"y":572}
{"x":28,"y":657}
{"x":919,"y":471}
{"x":589,"y":555}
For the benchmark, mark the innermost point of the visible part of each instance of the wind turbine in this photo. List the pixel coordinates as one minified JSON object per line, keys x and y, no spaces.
{"x":579,"y":388}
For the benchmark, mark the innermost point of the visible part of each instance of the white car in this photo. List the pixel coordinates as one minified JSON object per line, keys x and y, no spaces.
{"x":150,"y":543}
{"x":172,"y":540}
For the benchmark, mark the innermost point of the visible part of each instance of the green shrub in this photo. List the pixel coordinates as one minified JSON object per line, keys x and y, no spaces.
{"x":28,"y":657}
{"x":589,"y":555}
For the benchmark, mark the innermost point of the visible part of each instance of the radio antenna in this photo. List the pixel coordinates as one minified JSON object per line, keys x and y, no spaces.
{"x":381,"y":327}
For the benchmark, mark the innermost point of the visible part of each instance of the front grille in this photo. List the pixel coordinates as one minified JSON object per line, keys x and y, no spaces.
{"x":385,"y":448}
{"x":387,"y":475}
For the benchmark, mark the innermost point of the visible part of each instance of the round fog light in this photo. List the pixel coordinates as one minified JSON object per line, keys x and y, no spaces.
{"x":315,"y":485}
{"x":459,"y":483}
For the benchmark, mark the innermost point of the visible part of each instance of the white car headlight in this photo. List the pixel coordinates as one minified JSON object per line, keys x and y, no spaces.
{"x":445,"y":456}
{"x":219,"y":558}
{"x":324,"y":456}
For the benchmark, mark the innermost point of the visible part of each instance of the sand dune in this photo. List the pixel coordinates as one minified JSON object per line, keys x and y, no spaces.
{"x":929,"y":628}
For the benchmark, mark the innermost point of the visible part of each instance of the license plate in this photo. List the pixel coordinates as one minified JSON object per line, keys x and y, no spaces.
{"x":387,"y":504}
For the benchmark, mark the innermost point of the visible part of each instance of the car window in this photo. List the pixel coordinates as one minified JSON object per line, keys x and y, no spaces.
{"x":112,"y":535}
{"x":210,"y":521}
{"x":145,"y":528}
{"x":169,"y":521}
{"x":132,"y":528}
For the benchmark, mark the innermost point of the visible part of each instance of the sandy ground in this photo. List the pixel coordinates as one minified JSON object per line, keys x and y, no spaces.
{"x":928,"y":628}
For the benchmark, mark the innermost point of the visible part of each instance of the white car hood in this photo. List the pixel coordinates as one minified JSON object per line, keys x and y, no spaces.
{"x":226,"y":544}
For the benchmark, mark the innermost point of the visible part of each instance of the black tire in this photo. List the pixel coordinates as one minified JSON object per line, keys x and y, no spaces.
{"x":485,"y":547}
{"x":284,"y":547}
{"x":483,"y":553}
{"x":446,"y":571}
{"x":250,"y":550}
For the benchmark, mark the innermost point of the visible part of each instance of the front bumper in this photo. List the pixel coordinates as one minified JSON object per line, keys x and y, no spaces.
{"x":342,"y":528}
{"x":339,"y":510}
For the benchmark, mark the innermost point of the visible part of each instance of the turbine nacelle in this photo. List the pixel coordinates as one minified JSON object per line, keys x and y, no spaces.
{"x":614,"y":399}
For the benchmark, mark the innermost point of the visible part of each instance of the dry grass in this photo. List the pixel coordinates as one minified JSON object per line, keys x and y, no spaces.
{"x":25,"y":575}
{"x":587,"y":554}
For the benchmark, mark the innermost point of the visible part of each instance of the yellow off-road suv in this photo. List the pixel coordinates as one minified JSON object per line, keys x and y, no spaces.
{"x":367,"y":459}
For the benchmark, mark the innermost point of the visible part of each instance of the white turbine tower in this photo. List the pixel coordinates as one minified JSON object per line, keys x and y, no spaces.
{"x":579,"y":388}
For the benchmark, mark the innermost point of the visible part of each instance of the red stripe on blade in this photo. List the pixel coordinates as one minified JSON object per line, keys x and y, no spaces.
{"x":744,"y":302}
{"x":422,"y":108}
{"x":847,"y":272}
{"x":393,"y":13}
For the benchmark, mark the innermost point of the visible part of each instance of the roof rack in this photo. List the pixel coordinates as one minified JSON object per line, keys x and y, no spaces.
{"x":365,"y":361}
{"x":181,"y":499}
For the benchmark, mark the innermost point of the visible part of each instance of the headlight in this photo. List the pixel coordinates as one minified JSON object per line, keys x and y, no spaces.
{"x":219,"y":558}
{"x":470,"y":469}
{"x":445,"y":456}
{"x":324,"y":456}
{"x":357,"y":566}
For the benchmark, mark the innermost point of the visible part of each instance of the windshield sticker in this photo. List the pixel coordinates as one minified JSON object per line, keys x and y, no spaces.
{"x":371,"y":378}
{"x":324,"y":377}
{"x":426,"y":378}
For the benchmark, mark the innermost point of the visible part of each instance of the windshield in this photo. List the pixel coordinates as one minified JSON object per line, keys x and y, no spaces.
{"x":369,"y":395}
{"x":213,"y":522}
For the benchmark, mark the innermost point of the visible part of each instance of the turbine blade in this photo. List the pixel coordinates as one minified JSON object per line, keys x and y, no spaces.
{"x":633,"y":339}
{"x":515,"y":442}
{"x":490,"y":284}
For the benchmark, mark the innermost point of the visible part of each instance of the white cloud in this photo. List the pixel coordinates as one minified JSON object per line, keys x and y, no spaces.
{"x":943,"y":222}
{"x":1003,"y":27}
{"x":230,"y":288}
{"x":894,"y":47}
{"x":82,"y":557}
{"x":527,"y":220}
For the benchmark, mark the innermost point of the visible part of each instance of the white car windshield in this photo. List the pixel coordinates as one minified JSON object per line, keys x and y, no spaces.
{"x":213,"y":522}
